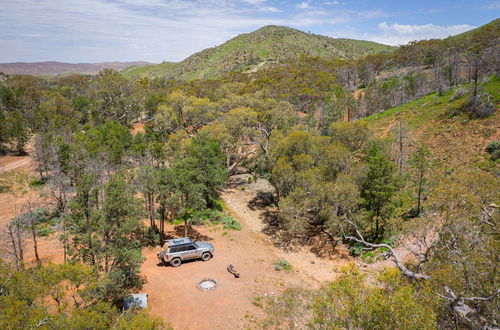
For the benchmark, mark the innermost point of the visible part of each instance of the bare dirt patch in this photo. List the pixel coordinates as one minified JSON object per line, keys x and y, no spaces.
{"x":174,"y":294}
{"x":11,"y":206}
{"x":304,"y":259}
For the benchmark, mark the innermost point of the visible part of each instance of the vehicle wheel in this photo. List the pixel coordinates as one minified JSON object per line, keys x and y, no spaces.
{"x":176,"y":262}
{"x":206,"y":256}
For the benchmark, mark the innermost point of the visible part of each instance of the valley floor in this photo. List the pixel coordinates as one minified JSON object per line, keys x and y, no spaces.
{"x":173,"y":293}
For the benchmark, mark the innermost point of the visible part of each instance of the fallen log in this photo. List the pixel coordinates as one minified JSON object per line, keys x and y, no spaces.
{"x":231,"y":269}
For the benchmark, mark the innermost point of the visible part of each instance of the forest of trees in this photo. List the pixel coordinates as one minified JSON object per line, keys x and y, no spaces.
{"x":294,"y":124}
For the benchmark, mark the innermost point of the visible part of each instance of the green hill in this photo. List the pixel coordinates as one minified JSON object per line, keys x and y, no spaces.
{"x":456,"y":139}
{"x":487,"y":30}
{"x":270,"y":44}
{"x":154,"y":70}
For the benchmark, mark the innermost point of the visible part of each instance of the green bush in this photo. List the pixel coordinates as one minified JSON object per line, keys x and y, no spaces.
{"x":356,"y":249}
{"x":151,"y":237}
{"x":459,"y":92}
{"x":481,"y":106}
{"x":494,"y":150}
{"x":35,"y":183}
{"x":230,"y":223}
{"x":369,"y":257}
{"x":44,"y":230}
{"x":282,"y":265}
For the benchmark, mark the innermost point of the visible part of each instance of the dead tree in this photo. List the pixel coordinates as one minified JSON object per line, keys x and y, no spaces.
{"x":15,"y":232}
{"x":406,"y":272}
{"x":32,"y":220}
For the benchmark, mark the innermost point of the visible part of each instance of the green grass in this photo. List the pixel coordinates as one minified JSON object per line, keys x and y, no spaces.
{"x":493,"y":88}
{"x":421,"y":111}
{"x":282,"y":265}
{"x":370,"y":45}
{"x":155,"y":70}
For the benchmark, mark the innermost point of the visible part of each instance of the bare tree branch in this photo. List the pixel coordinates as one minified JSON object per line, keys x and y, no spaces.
{"x":406,"y":272}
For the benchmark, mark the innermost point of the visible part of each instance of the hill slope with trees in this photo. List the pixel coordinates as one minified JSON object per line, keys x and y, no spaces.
{"x":268,"y":45}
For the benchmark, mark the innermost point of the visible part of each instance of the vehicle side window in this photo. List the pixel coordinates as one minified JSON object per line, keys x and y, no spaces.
{"x":181,"y":249}
{"x":190,"y":247}
{"x":174,"y":249}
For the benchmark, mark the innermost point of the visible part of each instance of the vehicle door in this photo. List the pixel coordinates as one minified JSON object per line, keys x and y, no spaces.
{"x":191,"y":251}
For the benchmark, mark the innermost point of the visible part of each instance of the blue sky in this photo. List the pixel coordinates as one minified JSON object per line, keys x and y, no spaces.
{"x":170,"y":30}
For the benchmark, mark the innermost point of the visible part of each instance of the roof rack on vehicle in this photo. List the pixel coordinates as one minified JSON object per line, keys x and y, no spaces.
{"x":178,"y":241}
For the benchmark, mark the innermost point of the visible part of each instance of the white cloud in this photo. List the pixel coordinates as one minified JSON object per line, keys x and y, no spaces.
{"x":303,"y":5}
{"x":334,"y":3}
{"x":494,"y":5}
{"x":254,"y":2}
{"x":373,"y":14}
{"x":105,"y":30}
{"x":270,"y":9}
{"x":399,"y":34}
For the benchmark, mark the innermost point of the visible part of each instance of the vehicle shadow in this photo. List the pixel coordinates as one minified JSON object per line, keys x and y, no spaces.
{"x":163,"y":264}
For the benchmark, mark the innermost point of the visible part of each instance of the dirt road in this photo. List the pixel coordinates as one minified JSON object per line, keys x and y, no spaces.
{"x":9,"y":163}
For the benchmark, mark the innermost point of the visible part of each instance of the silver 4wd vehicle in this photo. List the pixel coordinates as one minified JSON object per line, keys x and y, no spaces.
{"x":180,"y":249}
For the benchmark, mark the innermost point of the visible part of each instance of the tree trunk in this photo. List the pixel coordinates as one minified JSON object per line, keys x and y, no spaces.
{"x":400,"y":146}
{"x":33,"y":233}
{"x":419,"y":195}
{"x":14,"y":247}
{"x":65,"y":243}
{"x":153,"y":210}
{"x":20,"y":244}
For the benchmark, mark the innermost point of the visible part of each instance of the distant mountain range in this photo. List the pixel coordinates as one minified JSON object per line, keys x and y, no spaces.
{"x":270,"y":44}
{"x":52,"y":68}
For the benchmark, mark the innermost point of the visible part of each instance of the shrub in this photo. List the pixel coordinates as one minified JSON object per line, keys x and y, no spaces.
{"x":282,"y":265}
{"x":44,"y":230}
{"x":35,"y":183}
{"x":351,"y":303}
{"x":369,"y":257}
{"x":230,"y":223}
{"x":494,"y":150}
{"x":151,"y":237}
{"x":459,"y":92}
{"x":481,"y":106}
{"x":356,"y":249}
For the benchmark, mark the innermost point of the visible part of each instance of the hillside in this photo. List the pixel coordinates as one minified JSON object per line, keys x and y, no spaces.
{"x":152,"y":70}
{"x":270,"y":44}
{"x":457,"y":141}
{"x":492,"y":28}
{"x":54,"y":68}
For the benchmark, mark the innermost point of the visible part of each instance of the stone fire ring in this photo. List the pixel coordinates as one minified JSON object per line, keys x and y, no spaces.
{"x":207,"y":284}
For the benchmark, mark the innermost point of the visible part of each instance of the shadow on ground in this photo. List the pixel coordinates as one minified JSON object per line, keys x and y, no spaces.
{"x":317,"y":242}
{"x":192,"y":233}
